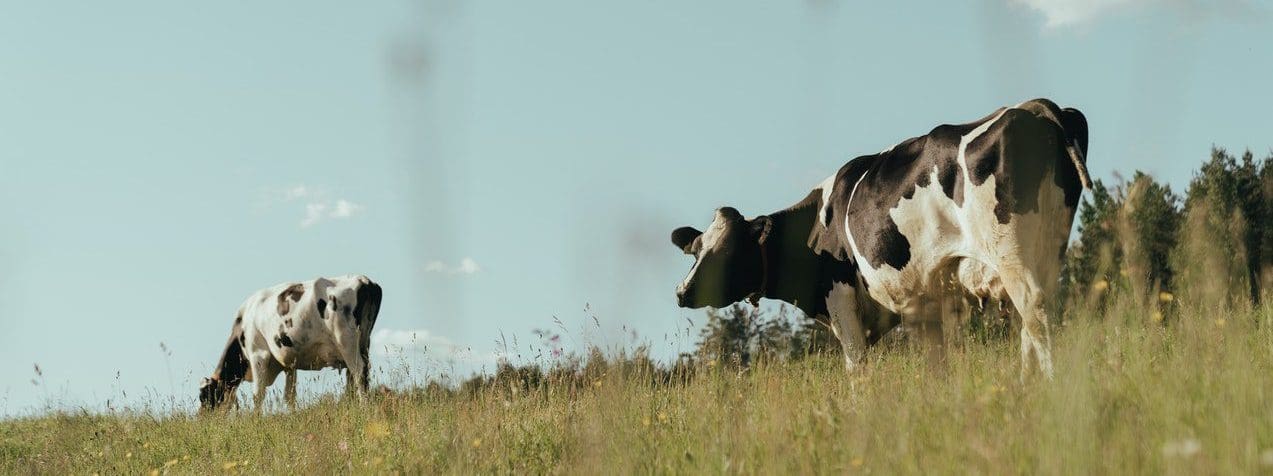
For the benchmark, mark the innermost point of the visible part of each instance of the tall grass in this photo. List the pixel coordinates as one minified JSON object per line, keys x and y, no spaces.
{"x":1192,"y":397}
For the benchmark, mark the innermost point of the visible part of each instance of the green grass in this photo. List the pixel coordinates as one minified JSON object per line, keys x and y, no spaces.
{"x":1194,"y":397}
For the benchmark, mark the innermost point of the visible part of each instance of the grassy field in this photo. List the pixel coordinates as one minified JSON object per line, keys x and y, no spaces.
{"x":1129,"y":396}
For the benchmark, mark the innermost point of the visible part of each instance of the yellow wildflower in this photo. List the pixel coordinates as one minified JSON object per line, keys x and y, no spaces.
{"x":1166,"y":297}
{"x":1221,"y":322}
{"x":662,"y":417}
{"x":377,"y":429}
{"x":1100,"y":286}
{"x":477,"y":443}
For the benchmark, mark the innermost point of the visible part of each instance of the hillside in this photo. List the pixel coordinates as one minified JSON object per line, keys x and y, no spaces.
{"x":1192,"y":397}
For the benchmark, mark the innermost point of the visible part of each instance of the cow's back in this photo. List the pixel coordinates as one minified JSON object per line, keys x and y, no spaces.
{"x":962,"y":199}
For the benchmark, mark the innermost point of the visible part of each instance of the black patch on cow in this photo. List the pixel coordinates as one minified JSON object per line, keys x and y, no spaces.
{"x":879,"y":187}
{"x":322,"y":308}
{"x":282,"y":339}
{"x":949,"y":177}
{"x":290,"y":295}
{"x":231,"y":370}
{"x":368,"y":307}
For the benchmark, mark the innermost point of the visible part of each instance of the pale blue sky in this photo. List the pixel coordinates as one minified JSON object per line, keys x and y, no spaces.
{"x":161,"y":161}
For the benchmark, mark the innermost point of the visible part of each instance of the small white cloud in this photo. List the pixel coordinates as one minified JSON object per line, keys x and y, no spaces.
{"x":1070,"y":13}
{"x":466,"y":266}
{"x":317,"y":212}
{"x":1060,"y":13}
{"x":319,"y":206}
{"x":344,"y":209}
{"x":296,"y":193}
{"x":314,"y":213}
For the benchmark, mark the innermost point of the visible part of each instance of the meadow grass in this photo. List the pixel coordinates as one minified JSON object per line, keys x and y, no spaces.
{"x":1130,"y":395}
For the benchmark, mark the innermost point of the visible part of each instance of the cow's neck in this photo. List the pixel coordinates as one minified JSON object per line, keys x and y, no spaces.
{"x":233,"y":367}
{"x":794,"y":272}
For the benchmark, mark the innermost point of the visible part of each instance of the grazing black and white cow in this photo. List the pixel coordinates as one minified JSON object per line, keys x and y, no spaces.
{"x":988,"y":203}
{"x":317,"y":324}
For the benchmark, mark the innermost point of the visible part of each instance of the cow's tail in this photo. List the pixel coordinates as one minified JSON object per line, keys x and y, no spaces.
{"x":1080,"y":164}
{"x":1075,"y":125}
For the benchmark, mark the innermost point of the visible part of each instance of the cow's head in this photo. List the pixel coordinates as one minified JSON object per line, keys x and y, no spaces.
{"x":212,"y":393}
{"x":728,"y":260}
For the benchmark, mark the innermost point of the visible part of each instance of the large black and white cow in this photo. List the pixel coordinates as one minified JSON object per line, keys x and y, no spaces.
{"x":989,"y":203}
{"x":317,"y":324}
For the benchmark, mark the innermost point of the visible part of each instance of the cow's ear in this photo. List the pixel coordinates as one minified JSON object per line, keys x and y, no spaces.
{"x":761,"y":227}
{"x":684,"y":237}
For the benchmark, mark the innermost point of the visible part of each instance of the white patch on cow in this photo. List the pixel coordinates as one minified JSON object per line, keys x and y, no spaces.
{"x":863,"y":264}
{"x":710,"y":240}
{"x":846,"y":323}
{"x":827,"y":187}
{"x":971,"y":136}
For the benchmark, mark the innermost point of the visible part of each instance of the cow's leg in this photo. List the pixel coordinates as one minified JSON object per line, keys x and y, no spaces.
{"x":264,"y":369}
{"x":927,"y":322}
{"x":350,"y":381}
{"x":1036,"y":340}
{"x":289,"y":388}
{"x":846,"y":324}
{"x":848,"y":329}
{"x":355,"y":366}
